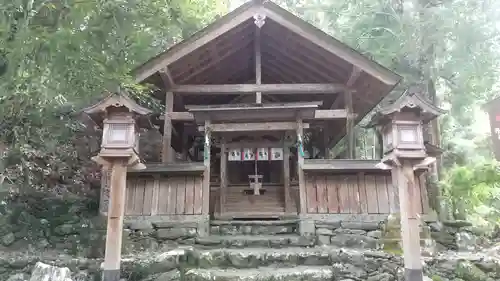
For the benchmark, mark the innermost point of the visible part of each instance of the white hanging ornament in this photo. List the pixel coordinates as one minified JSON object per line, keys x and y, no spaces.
{"x":260,"y":20}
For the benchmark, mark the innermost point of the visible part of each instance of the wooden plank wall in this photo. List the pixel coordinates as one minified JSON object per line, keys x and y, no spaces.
{"x":355,"y":194}
{"x":176,"y":195}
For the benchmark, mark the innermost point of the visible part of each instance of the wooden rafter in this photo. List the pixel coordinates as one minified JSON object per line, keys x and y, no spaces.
{"x":293,"y":47}
{"x":284,"y":51}
{"x":288,"y":66}
{"x":198,"y":40}
{"x":229,"y":53}
{"x":239,"y":67}
{"x":328,"y":43}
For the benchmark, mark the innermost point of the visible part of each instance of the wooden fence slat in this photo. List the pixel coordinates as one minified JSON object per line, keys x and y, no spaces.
{"x":312,"y":204}
{"x":139,"y":196}
{"x":148,"y":196}
{"x":423,"y":193}
{"x":321,"y":194}
{"x":129,"y":206}
{"x":371,"y":194}
{"x":344,"y":195}
{"x":362,"y":194}
{"x":163,"y":197}
{"x":198,"y":195}
{"x":354,"y":196}
{"x":181,"y":194}
{"x":189,"y":208}
{"x":382,"y":195}
{"x":171,"y":196}
{"x":333,"y":195}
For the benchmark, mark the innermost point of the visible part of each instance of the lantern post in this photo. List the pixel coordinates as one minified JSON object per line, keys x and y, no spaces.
{"x":404,"y":153}
{"x":120,"y":118}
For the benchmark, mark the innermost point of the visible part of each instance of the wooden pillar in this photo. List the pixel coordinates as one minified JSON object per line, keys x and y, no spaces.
{"x":223,"y":174}
{"x":286,"y":177}
{"x":350,"y":145}
{"x":206,"y":173}
{"x":185,"y":146}
{"x":410,"y":222}
{"x":258,"y":64}
{"x":167,"y":153}
{"x":395,"y":208}
{"x":326,"y":148}
{"x":112,"y":256}
{"x":300,"y":163}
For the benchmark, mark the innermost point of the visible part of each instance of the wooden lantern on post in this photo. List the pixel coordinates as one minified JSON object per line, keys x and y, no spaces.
{"x":401,"y":125}
{"x":121,"y":118}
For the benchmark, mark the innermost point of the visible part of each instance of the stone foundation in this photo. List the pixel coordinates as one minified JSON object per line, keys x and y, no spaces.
{"x":253,"y":227}
{"x":349,"y":234}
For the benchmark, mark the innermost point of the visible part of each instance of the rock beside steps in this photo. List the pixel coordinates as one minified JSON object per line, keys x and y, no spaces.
{"x":268,"y":264}
{"x":300,"y":273}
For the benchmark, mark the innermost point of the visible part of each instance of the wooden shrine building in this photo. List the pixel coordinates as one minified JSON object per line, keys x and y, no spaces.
{"x":254,"y":103}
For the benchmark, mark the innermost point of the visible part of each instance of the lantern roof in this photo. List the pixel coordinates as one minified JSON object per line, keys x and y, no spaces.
{"x":409,"y":101}
{"x":120,"y":99}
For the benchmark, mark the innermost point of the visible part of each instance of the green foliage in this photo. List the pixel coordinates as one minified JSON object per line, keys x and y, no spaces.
{"x":58,"y":56}
{"x":473,"y":192}
{"x":451,"y":47}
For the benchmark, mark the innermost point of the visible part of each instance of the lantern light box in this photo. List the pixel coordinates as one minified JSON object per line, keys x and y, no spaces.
{"x":121,"y":118}
{"x":401,"y":125}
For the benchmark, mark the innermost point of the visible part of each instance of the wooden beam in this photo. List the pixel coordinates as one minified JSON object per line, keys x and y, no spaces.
{"x":319,"y":114}
{"x":355,"y":73}
{"x":167,"y":78}
{"x":167,"y":151}
{"x":251,"y":144}
{"x":181,"y":116}
{"x":323,"y":114}
{"x":246,"y":127}
{"x":258,"y":64}
{"x":264,"y":88}
{"x":353,"y":77}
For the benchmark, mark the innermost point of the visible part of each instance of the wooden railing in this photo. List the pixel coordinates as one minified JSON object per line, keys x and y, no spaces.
{"x":361,"y":193}
{"x":172,"y":195}
{"x":354,"y":187}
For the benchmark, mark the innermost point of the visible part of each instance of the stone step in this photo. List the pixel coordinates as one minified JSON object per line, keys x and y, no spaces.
{"x":253,"y":241}
{"x":254,"y":227}
{"x":259,"y":257}
{"x":301,"y":273}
